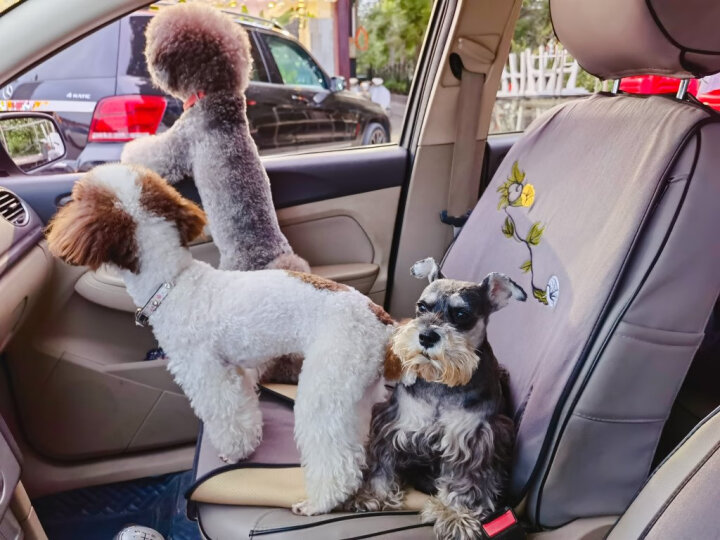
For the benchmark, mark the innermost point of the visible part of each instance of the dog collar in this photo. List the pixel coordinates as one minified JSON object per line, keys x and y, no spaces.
{"x":192,"y":100}
{"x":142,"y":315}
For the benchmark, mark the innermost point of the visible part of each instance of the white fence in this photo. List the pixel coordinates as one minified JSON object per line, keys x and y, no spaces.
{"x":532,"y":82}
{"x":548,"y":72}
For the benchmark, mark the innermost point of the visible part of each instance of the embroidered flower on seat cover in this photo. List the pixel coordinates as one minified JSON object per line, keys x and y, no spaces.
{"x":516,"y":192}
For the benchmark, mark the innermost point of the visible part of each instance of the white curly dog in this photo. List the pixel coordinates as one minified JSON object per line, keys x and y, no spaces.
{"x":219,"y":326}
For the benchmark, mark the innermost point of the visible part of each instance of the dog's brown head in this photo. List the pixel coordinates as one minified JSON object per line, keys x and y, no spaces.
{"x":192,"y":48}
{"x":100,"y":224}
{"x":440,"y":343}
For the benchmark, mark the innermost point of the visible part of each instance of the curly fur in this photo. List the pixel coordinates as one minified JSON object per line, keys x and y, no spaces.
{"x":220,"y":327}
{"x":444,"y":429}
{"x":193,"y":48}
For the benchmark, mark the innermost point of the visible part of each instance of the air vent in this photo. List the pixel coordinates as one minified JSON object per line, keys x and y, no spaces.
{"x":12,"y":209}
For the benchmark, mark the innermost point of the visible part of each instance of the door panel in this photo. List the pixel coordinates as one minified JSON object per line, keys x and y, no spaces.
{"x":84,"y":389}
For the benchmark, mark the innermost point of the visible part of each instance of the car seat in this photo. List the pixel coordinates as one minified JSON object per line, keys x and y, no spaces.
{"x":606,"y":212}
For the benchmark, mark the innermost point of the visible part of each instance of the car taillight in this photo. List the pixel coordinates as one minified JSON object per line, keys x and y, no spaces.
{"x":124,"y":118}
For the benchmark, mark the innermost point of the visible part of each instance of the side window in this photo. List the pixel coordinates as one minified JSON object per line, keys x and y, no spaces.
{"x":539,"y":73}
{"x":343,"y":71}
{"x":295,"y":65}
{"x":132,"y":50}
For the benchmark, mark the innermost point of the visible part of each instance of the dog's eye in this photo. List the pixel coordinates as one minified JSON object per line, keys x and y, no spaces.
{"x":421,"y":307}
{"x":461,"y":315}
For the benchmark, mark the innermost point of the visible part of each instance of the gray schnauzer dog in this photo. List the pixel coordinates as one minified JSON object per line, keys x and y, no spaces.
{"x":445,"y":429}
{"x":201,"y":56}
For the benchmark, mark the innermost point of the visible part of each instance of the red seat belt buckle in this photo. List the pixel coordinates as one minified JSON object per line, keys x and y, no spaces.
{"x":503,"y":525}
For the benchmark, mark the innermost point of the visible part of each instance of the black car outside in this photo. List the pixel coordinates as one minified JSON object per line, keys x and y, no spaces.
{"x":101,"y":94}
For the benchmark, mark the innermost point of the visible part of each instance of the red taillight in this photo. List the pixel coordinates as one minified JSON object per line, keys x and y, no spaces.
{"x":124,"y":118}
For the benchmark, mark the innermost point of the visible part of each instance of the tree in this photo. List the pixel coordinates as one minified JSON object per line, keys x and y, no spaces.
{"x":533,"y":28}
{"x":395,"y":33}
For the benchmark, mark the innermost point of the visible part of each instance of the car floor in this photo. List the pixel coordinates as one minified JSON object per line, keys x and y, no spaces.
{"x":100,"y":512}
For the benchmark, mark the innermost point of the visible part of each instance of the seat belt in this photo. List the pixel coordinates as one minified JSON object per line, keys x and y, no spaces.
{"x":469,"y":62}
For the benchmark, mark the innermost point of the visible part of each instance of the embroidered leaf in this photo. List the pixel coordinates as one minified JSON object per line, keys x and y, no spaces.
{"x":539,"y":294}
{"x":517,"y":175}
{"x":508,"y":228}
{"x":535,"y":234}
{"x":526,"y":266}
{"x":503,"y":202}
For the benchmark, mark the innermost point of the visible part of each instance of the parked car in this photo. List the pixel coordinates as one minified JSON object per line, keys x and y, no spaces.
{"x":100,"y":91}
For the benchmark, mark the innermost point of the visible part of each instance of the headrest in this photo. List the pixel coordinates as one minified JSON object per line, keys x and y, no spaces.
{"x":618,"y":38}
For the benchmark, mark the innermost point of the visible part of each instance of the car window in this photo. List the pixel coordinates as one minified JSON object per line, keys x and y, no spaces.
{"x":329,"y":92}
{"x":539,"y":73}
{"x":132,"y":46}
{"x":92,"y":57}
{"x":295,"y":65}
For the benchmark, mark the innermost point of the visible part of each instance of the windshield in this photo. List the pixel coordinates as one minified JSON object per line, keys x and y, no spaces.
{"x":7,"y":4}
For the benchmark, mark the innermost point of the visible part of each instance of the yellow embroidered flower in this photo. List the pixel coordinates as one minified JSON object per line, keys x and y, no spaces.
{"x":527,"y":197}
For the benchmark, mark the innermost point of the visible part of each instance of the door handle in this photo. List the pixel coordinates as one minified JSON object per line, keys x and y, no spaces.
{"x":62,"y":201}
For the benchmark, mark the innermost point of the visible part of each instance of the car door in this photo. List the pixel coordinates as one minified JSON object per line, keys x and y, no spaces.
{"x":304,"y":115}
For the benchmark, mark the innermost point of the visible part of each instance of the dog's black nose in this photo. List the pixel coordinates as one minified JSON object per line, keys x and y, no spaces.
{"x":429,"y":338}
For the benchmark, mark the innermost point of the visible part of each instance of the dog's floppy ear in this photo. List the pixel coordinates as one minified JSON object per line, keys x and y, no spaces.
{"x":160,"y":198}
{"x":426,"y":268}
{"x":92,"y":229}
{"x":190,"y":221}
{"x":500,"y":289}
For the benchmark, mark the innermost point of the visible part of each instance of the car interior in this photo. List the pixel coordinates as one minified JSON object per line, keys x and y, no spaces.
{"x":613,"y":359}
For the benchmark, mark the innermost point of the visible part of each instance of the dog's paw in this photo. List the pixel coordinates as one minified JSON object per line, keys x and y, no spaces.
{"x":228,"y":460}
{"x":365,"y":500}
{"x":451,"y":523}
{"x":304,"y":508}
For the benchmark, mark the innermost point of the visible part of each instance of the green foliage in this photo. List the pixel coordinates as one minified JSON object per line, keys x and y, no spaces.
{"x":535,"y":234}
{"x":395,"y":33}
{"x":540,"y":295}
{"x":21,"y":139}
{"x":508,"y":228}
{"x":533,"y":28}
{"x":526,"y":266}
{"x":397,"y":87}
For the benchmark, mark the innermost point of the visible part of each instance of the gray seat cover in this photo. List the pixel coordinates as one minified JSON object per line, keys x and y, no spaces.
{"x":626,"y":229}
{"x":680,"y":499}
{"x":593,"y":376}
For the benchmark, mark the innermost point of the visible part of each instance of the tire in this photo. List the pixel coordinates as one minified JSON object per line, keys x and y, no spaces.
{"x":375,"y":134}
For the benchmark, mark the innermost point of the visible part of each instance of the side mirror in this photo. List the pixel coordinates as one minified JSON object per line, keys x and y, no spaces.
{"x":31,"y":140}
{"x":337,"y":84}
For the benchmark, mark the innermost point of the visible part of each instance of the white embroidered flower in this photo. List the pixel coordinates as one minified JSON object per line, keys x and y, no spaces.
{"x":552,"y":291}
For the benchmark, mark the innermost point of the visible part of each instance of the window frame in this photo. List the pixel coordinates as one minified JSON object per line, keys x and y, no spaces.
{"x":274,"y":71}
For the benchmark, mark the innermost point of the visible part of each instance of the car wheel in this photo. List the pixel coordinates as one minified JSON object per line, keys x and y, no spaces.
{"x":375,"y":134}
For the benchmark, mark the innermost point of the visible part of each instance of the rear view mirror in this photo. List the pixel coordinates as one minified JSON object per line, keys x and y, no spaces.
{"x":31,"y":140}
{"x":337,"y":84}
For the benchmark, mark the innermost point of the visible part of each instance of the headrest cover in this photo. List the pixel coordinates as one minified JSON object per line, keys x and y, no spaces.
{"x":619,"y":38}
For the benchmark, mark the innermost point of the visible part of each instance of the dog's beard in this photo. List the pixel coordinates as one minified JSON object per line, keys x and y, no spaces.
{"x":450,"y":362}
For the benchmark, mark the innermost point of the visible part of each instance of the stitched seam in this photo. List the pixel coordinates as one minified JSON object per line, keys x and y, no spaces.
{"x":678,"y":489}
{"x":619,"y":420}
{"x":651,"y":342}
{"x":271,"y":530}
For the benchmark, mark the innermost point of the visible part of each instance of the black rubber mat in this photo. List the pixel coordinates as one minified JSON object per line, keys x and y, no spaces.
{"x":100,"y":512}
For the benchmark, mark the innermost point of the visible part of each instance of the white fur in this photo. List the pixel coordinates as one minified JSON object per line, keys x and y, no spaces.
{"x":218,"y":326}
